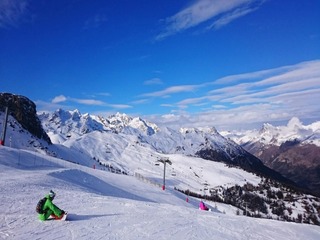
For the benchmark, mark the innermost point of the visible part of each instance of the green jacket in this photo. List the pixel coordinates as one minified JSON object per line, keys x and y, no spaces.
{"x":49,"y":208}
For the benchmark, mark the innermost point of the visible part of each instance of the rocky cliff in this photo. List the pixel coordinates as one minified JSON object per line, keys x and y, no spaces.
{"x":24,"y":111}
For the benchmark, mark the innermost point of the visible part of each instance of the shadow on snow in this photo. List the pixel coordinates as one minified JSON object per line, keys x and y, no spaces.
{"x":94,"y":184}
{"x":77,"y":217}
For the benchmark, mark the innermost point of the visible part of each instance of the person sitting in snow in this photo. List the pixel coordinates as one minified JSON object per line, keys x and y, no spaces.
{"x":202,"y":206}
{"x":49,"y":209}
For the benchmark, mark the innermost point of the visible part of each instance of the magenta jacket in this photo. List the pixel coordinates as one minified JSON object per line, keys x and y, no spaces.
{"x":202,"y":206}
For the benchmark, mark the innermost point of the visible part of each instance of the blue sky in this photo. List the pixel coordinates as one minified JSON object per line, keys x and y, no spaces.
{"x":225,"y":63}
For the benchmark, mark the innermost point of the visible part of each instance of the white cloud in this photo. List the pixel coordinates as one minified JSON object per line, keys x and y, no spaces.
{"x":141,"y":101}
{"x":43,"y":106}
{"x":204,"y":10}
{"x":170,"y":90}
{"x":192,"y":101}
{"x":225,"y":19}
{"x":59,"y":99}
{"x":62,"y":98}
{"x":153,"y":81}
{"x":253,"y":98}
{"x":226,"y":119}
{"x":258,"y":87}
{"x":167,"y":105}
{"x":73,"y":103}
{"x":11,"y":12}
{"x":94,"y":102}
{"x":246,"y":89}
{"x":87,"y":101}
{"x":105,"y":94}
{"x":219,"y":106}
{"x":309,"y":68}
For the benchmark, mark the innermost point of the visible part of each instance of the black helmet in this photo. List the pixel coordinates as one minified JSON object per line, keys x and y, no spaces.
{"x":52,"y":194}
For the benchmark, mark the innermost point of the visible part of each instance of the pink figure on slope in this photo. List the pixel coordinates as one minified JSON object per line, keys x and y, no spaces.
{"x":202,"y":206}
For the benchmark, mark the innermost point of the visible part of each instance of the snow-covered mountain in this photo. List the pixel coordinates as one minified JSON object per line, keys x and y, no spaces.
{"x":61,"y":125}
{"x":121,"y":131}
{"x":277,"y":135}
{"x":293,"y":150}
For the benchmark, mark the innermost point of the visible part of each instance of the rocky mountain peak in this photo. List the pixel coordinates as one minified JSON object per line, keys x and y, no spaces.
{"x":24,"y":111}
{"x":119,"y":121}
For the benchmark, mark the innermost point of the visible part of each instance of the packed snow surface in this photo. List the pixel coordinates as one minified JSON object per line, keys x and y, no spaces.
{"x":104,"y":205}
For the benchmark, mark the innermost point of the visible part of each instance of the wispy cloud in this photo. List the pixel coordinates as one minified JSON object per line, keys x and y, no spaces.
{"x":105,"y":94}
{"x":87,"y":101}
{"x":140,"y":101}
{"x":171,"y":90}
{"x":11,"y":12}
{"x":293,"y":79}
{"x":204,"y":10}
{"x":153,"y":81}
{"x":191,"y":101}
{"x":269,"y":95}
{"x":119,"y":106}
{"x":249,"y":88}
{"x":298,"y":70}
{"x":92,"y":102}
{"x":229,"y":17}
{"x":288,"y":78}
{"x":62,"y":98}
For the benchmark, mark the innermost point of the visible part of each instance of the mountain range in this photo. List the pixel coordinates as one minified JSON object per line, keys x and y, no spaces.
{"x":64,"y":127}
{"x":293,"y":150}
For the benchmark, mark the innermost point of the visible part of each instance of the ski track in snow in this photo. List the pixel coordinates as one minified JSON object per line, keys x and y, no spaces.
{"x":103,"y":205}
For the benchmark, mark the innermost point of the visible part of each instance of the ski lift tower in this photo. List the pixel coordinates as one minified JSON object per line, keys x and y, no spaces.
{"x":164,"y":161}
{"x":4,"y":129}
